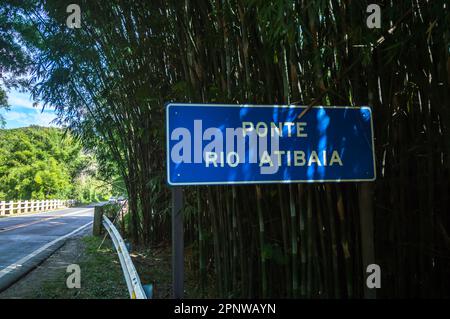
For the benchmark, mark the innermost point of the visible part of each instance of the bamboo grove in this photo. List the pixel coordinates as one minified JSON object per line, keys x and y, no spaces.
{"x":111,"y":78}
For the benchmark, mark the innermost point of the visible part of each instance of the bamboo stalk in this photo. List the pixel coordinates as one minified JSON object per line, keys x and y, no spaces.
{"x":261,"y":242}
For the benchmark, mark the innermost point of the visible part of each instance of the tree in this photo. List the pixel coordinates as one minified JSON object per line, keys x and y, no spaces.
{"x":15,"y":33}
{"x":46,"y":163}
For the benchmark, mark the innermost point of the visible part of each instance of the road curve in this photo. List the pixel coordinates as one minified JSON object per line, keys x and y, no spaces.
{"x":25,"y":241}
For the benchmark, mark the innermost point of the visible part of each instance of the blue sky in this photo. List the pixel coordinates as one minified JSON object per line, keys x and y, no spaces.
{"x":22,"y":113}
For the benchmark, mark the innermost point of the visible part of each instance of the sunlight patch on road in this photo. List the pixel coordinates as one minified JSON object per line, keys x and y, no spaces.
{"x":43,"y":220}
{"x":18,"y":264}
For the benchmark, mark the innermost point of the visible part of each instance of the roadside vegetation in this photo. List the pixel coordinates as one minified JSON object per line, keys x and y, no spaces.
{"x":101,"y":275}
{"x":48,"y":163}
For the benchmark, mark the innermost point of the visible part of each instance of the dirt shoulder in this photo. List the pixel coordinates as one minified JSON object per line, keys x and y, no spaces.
{"x":101,"y":274}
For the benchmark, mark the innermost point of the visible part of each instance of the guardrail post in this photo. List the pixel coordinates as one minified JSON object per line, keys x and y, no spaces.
{"x":98,"y":217}
{"x":177,"y":243}
{"x":2,"y":208}
{"x":367,"y":234}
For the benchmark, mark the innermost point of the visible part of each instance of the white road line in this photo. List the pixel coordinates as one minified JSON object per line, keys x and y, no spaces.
{"x":13,"y":227}
{"x":45,"y":213}
{"x":20,"y":262}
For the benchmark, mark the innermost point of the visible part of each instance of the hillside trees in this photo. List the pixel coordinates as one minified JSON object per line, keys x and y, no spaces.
{"x":46,"y":163}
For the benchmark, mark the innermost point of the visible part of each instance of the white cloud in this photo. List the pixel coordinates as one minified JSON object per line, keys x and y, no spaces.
{"x":14,"y":116}
{"x":16,"y":98}
{"x":21,"y":117}
{"x":44,"y":119}
{"x":22,"y":113}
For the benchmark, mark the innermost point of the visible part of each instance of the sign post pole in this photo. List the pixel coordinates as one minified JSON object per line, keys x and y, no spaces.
{"x":367,"y":234}
{"x":177,"y":242}
{"x":255,"y":144}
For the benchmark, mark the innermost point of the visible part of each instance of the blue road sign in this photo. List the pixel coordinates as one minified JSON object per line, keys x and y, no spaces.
{"x":252,"y":144}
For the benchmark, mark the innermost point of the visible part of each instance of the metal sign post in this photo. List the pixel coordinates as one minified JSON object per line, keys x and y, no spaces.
{"x":227,"y":144}
{"x":365,"y":191}
{"x":177,"y":242}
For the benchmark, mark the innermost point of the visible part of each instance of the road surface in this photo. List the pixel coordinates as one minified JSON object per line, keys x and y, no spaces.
{"x":28,"y":239}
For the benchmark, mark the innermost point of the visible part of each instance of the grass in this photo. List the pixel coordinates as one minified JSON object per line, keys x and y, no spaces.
{"x":154,"y":266}
{"x":101,"y":275}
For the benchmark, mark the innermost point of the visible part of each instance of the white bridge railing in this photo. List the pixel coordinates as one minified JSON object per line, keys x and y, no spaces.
{"x":21,"y":207}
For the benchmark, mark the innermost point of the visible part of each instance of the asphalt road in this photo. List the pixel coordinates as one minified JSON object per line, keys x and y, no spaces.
{"x":25,"y":238}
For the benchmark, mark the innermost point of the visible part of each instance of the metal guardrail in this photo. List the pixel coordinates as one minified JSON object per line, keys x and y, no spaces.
{"x":131,"y":277}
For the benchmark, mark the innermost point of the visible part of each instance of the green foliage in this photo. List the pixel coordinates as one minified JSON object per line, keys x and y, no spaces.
{"x":45,"y":163}
{"x":15,"y":60}
{"x":3,"y":104}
